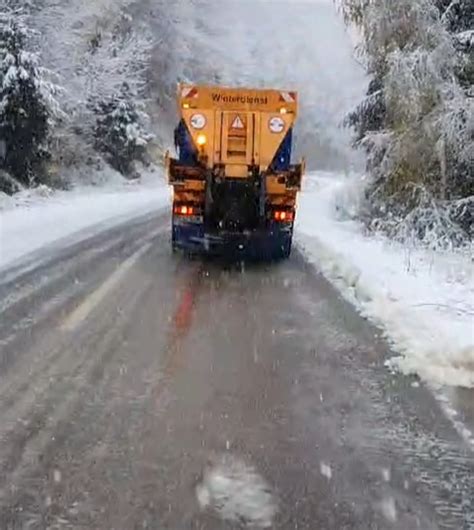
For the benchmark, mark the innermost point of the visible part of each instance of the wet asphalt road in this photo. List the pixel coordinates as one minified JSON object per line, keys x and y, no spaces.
{"x":141,"y":389}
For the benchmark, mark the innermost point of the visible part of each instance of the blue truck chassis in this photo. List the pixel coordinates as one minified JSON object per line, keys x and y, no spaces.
{"x":270,"y":243}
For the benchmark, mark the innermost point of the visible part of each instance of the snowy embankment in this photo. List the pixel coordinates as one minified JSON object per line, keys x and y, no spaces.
{"x":34,"y":218}
{"x":424,"y":301}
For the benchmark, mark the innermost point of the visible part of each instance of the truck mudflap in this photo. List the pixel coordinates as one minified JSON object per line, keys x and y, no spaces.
{"x":273,"y":243}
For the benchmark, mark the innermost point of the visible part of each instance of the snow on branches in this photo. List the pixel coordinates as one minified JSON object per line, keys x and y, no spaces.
{"x":28,"y":103}
{"x":423,"y":137}
{"x":120,"y":132}
{"x":96,"y":47}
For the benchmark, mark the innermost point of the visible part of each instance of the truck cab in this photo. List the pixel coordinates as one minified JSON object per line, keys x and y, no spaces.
{"x":234,"y":186}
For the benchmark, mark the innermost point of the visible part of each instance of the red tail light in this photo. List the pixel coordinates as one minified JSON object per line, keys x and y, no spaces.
{"x":184,"y":210}
{"x":283,"y":216}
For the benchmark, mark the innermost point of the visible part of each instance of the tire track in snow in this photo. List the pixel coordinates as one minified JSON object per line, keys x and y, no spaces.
{"x":49,"y":353}
{"x":44,"y":408}
{"x":17,"y":286}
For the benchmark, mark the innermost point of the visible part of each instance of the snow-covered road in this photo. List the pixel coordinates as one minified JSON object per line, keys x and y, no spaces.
{"x":133,"y":378}
{"x":423,"y":300}
{"x":34,"y":219}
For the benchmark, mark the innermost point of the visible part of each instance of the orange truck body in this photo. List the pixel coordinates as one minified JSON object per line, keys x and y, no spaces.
{"x":235,"y":136}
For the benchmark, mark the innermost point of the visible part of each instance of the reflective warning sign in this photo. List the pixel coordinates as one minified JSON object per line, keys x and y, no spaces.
{"x":237,"y":123}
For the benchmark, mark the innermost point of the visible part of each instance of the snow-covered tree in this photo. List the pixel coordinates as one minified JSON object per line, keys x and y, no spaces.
{"x":416,"y":122}
{"x":120,"y":132}
{"x":458,"y":18}
{"x":95,"y":47}
{"x":28,"y":107}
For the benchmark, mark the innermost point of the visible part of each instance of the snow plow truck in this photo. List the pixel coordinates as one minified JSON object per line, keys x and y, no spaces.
{"x":234,"y":186}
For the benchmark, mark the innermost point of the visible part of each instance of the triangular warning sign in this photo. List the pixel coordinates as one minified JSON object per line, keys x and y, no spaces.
{"x":238,"y":123}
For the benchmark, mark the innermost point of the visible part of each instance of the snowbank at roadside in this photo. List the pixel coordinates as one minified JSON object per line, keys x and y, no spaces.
{"x":424,"y":301}
{"x":34,"y":218}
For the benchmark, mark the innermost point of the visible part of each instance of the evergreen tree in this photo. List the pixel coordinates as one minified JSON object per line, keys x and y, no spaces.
{"x":120,"y":133}
{"x":27,"y":105}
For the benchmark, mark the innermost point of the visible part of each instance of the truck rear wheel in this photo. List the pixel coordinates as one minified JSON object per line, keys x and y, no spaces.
{"x":286,"y":252}
{"x":174,"y":247}
{"x":286,"y":249}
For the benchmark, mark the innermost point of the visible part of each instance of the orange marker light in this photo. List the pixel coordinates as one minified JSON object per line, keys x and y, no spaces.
{"x":201,"y":140}
{"x":184,"y":210}
{"x":283,"y":216}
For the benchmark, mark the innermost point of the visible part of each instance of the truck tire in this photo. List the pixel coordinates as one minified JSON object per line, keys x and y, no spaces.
{"x":286,"y":250}
{"x":174,"y":247}
{"x":209,"y":199}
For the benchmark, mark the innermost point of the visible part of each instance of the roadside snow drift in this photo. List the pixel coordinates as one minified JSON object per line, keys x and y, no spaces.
{"x":424,"y":301}
{"x":35,"y":218}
